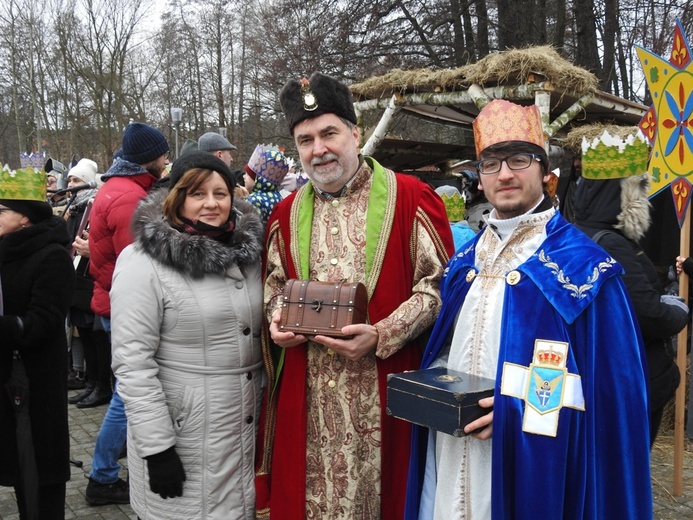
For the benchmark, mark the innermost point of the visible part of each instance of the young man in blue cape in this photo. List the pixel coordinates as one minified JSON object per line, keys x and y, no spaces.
{"x":535,"y":305}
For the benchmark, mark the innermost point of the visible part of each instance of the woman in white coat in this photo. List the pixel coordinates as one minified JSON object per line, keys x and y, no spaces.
{"x":186,"y":309}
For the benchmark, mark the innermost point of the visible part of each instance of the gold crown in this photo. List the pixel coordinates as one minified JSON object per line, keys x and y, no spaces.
{"x":549,"y":357}
{"x":26,"y":184}
{"x":610,"y":157}
{"x":501,"y":121}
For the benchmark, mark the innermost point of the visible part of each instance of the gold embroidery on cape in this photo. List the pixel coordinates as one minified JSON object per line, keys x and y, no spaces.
{"x":492,"y":271}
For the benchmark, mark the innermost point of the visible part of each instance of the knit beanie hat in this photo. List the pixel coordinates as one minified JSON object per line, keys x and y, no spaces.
{"x":85,"y":169}
{"x":142,"y":143}
{"x":200,"y":159}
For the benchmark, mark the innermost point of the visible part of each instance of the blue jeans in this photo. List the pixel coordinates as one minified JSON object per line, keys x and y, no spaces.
{"x":112,"y":436}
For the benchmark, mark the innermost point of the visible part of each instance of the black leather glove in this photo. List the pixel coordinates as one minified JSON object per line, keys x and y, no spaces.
{"x":166,"y":473}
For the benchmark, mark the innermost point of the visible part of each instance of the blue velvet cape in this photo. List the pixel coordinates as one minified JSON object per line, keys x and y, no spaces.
{"x":598,"y":465}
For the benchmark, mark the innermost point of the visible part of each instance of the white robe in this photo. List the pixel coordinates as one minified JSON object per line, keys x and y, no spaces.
{"x":463,"y":464}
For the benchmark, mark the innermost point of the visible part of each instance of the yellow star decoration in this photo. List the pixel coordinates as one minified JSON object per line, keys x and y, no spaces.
{"x":668,"y":125}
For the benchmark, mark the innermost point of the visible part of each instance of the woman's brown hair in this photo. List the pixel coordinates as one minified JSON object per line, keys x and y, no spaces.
{"x":189,"y":182}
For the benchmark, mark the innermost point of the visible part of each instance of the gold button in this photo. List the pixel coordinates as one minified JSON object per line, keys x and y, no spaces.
{"x":513,"y":277}
{"x":334,"y":230}
{"x":332,"y":383}
{"x":334,"y":261}
{"x":330,"y":352}
{"x":335,"y":202}
{"x":471,"y":274}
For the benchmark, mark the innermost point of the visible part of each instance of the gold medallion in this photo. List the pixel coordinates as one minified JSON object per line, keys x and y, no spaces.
{"x":310,"y":103}
{"x":513,"y":277}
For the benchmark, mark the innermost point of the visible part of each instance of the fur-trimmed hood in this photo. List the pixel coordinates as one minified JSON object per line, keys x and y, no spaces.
{"x":617,"y":204}
{"x":196,"y":255}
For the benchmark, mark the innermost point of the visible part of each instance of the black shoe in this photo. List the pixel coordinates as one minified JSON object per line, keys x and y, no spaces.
{"x":88,"y":390}
{"x":102,"y":494}
{"x":96,"y":398}
{"x":76,"y":380}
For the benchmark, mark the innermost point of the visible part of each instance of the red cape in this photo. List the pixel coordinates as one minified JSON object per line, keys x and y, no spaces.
{"x":281,"y":464}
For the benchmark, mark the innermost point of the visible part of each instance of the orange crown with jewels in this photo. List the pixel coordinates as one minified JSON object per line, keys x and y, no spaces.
{"x":549,"y":357}
{"x":502,"y":121}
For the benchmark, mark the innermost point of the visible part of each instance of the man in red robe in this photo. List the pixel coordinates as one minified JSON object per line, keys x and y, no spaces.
{"x":327,"y":447}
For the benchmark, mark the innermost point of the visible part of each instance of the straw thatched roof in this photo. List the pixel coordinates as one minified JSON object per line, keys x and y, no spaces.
{"x":515,"y":66}
{"x":573,"y":141}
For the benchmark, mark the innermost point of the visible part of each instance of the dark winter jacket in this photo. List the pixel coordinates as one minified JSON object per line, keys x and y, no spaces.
{"x":37,"y":280}
{"x":109,"y":232}
{"x":620,"y":207}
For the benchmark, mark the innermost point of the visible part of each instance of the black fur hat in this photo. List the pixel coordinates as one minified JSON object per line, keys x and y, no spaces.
{"x":312,"y":98}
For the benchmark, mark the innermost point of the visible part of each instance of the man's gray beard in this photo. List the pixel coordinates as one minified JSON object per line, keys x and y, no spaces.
{"x":332,"y":177}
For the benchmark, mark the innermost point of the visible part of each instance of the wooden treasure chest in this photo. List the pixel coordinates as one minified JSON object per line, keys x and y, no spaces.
{"x":310,"y":307}
{"x":438,"y":398}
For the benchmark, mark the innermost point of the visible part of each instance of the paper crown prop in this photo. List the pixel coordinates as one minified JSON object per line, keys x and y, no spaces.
{"x":502,"y":121}
{"x":269,"y":163}
{"x":26,"y":184}
{"x":610,"y":157}
{"x":454,"y":202}
{"x":552,"y":183}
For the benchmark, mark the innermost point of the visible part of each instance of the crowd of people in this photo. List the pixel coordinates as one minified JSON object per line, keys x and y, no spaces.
{"x":165,"y":284}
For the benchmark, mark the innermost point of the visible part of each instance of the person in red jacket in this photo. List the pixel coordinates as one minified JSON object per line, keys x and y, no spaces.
{"x":144,"y":158}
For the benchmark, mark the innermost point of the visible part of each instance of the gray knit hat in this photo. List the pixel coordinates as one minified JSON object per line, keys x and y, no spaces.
{"x":212,"y":141}
{"x":142,"y":143}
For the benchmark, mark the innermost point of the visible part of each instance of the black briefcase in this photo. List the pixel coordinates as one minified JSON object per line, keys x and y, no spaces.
{"x":438,"y":398}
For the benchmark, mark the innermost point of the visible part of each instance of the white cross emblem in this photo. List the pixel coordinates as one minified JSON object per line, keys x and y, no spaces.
{"x":545,"y":387}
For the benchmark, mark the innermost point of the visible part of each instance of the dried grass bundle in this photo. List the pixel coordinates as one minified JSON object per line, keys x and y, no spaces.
{"x":573,"y":141}
{"x":512,"y":66}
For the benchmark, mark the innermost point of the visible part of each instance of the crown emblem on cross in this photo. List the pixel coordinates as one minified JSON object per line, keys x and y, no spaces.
{"x":549,"y":357}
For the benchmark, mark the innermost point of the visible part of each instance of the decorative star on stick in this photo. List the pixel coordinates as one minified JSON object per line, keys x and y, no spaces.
{"x":668,"y":124}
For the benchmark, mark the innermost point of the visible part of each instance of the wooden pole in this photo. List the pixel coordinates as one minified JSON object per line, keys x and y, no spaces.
{"x":681,"y":356}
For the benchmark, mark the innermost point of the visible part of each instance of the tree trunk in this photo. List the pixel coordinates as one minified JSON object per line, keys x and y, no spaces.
{"x":469,"y":33}
{"x":559,"y":35}
{"x":458,"y":48}
{"x":586,"y":54}
{"x":607,"y":81}
{"x":482,"y":28}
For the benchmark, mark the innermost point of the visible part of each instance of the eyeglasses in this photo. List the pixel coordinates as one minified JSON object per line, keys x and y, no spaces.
{"x":518,"y":161}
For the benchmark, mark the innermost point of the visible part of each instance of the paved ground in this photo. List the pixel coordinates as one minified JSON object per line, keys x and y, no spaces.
{"x":84,"y":426}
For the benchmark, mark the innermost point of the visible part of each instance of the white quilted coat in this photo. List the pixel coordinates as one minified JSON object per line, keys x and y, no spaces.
{"x":186,"y":323}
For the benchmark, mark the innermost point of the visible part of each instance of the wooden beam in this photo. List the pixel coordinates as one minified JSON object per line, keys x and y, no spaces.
{"x":568,"y":115}
{"x":383,"y":126}
{"x":681,"y":357}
